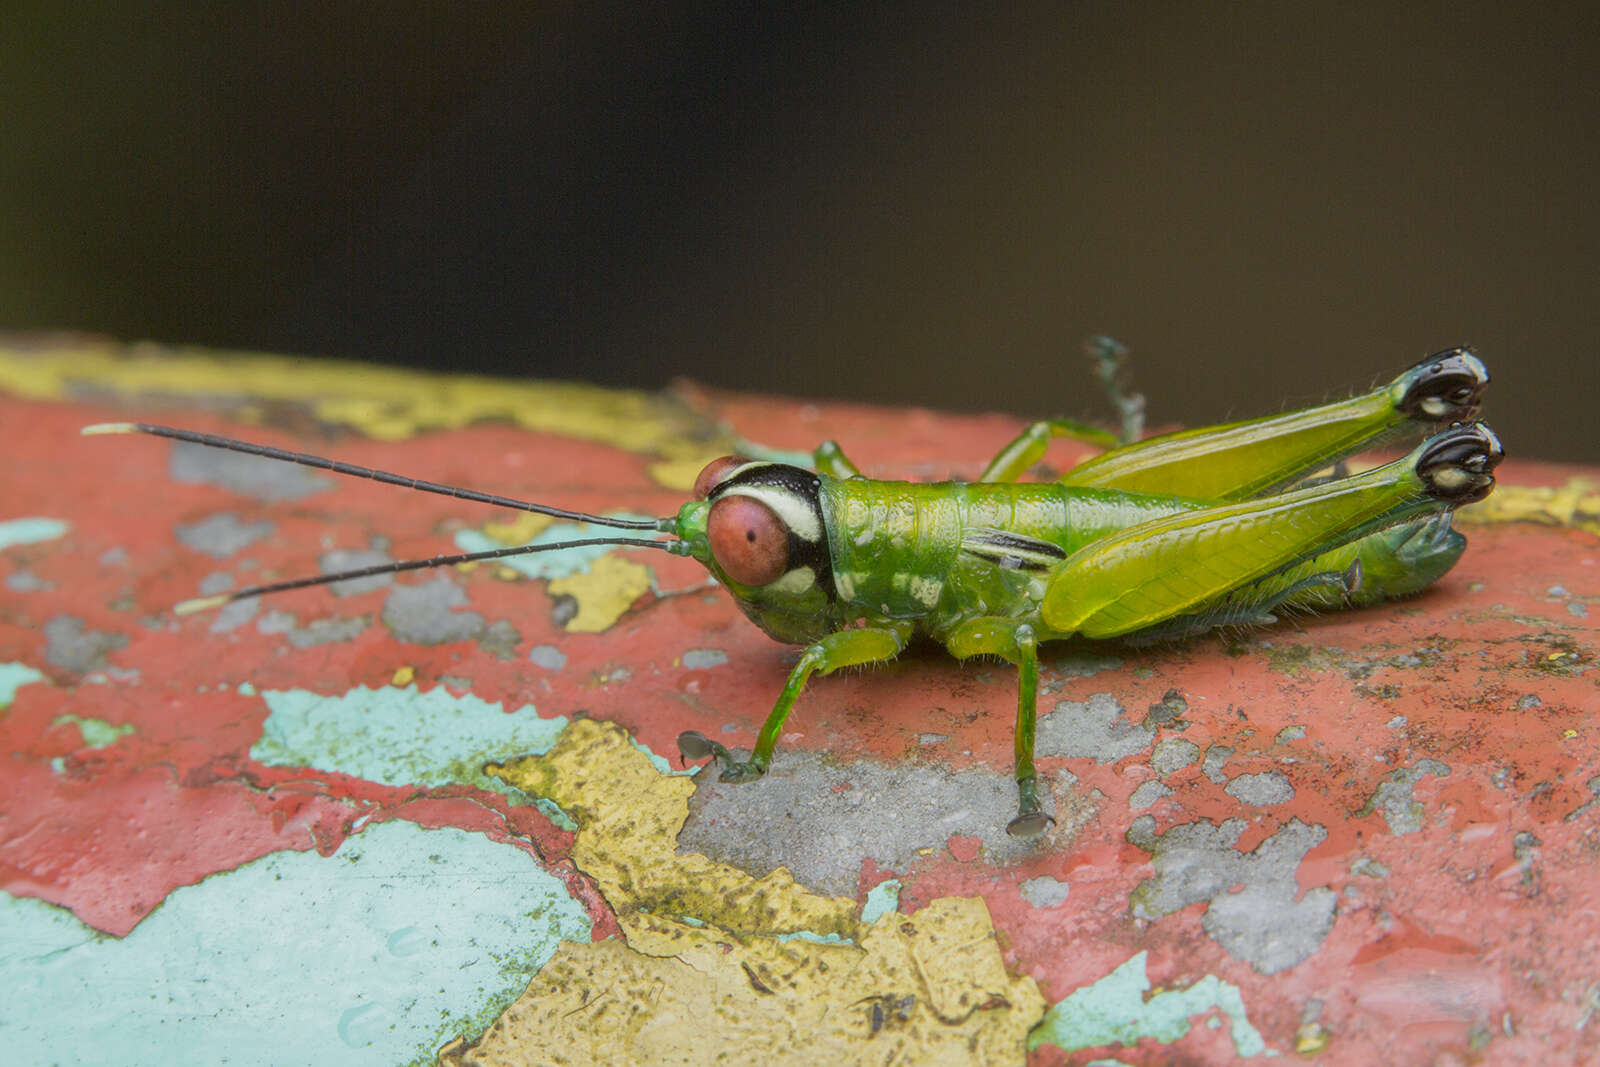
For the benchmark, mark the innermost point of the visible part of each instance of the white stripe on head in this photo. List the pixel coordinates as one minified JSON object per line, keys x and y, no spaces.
{"x":797,"y":514}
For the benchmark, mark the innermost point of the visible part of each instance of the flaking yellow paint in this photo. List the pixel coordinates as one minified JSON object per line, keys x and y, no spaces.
{"x":604,"y":592}
{"x":706,"y":975}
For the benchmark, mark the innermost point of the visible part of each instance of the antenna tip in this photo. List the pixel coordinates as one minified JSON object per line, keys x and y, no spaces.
{"x":199,"y":603}
{"x":109,"y":427}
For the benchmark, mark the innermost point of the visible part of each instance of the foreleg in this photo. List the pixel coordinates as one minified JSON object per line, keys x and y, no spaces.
{"x":847,"y":648}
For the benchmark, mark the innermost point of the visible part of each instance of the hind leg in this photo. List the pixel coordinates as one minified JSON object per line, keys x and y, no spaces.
{"x":1153,"y":574}
{"x":1247,"y":459}
{"x":1393,"y":563}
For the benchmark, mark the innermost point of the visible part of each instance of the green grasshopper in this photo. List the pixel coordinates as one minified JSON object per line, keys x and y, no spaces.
{"x":1160,"y":539}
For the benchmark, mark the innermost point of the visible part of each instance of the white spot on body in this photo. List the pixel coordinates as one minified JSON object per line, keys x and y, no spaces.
{"x":796,"y":581}
{"x":926,"y":590}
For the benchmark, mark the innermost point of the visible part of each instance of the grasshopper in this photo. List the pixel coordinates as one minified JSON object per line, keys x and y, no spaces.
{"x":1158,"y":539}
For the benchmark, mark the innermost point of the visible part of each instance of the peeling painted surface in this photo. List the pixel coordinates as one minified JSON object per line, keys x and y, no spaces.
{"x":14,"y":676}
{"x":820,"y":818}
{"x":1095,"y":729}
{"x":1430,"y":908}
{"x":426,"y":615}
{"x":1260,"y":790}
{"x":1257,"y":911}
{"x":317,"y":632}
{"x":1116,"y":1011}
{"x":222,"y":534}
{"x":1394,"y":797}
{"x":96,"y":733}
{"x":74,"y":647}
{"x":707,"y":941}
{"x":242,"y":474}
{"x":399,"y":736}
{"x":418,"y":935}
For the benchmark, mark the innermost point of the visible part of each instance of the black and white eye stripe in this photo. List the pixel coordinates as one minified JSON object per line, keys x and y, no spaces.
{"x":794,"y":495}
{"x":1011,"y":551}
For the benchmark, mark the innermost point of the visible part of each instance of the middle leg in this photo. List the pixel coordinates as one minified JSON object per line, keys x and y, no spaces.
{"x":1016,"y":643}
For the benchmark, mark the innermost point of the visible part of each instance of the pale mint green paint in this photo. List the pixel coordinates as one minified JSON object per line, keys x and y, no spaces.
{"x":97,"y":733}
{"x":558,"y":564}
{"x":246,"y":689}
{"x":815,"y":939}
{"x":401,"y":736}
{"x":1114,"y":1011}
{"x":376,"y":955}
{"x":882,"y":899}
{"x":14,"y":676}
{"x":30,"y":531}
{"x":661,"y":763}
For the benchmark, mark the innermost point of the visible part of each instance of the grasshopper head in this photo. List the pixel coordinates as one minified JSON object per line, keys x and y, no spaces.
{"x":760,"y":529}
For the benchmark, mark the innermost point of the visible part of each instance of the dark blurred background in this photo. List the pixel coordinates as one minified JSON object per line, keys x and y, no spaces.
{"x":922,"y":203}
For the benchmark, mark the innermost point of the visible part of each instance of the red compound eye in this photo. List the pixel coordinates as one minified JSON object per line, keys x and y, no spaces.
{"x":750,"y":543}
{"x":713,"y":473}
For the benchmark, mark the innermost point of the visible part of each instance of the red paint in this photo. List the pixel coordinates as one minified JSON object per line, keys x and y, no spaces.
{"x":964,"y":849}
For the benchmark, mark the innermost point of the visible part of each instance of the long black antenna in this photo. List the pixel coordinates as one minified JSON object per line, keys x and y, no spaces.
{"x":203,"y":603}
{"x":305,"y":460}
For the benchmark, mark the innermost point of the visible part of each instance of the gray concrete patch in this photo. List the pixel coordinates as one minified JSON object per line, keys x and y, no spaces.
{"x":317,"y":632}
{"x":353,"y":559}
{"x":1173,"y":754}
{"x":701,"y":659}
{"x":821,"y":818}
{"x":73,"y":648}
{"x":27,"y":582}
{"x":500,"y":639}
{"x":1290,"y":733}
{"x":422,"y":614}
{"x":1268,"y":787}
{"x":1168,"y":710}
{"x":1147,"y":794}
{"x":234,"y":615}
{"x":1263,"y":924}
{"x":264,"y":479}
{"x":1401,"y":810}
{"x":223,"y":534}
{"x":1044,"y":891}
{"x":216,"y":582}
{"x":1216,"y":759}
{"x":549,"y":657}
{"x":1094,"y":729}
{"x":1368,"y":867}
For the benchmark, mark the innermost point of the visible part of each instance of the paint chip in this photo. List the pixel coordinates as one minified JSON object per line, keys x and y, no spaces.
{"x":1116,"y":1010}
{"x":705,"y":940}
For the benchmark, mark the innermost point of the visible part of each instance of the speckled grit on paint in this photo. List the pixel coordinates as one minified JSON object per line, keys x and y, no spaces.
{"x":400,"y":736}
{"x":30,"y":531}
{"x":1114,"y":1011}
{"x":419,"y":934}
{"x":1271,"y":922}
{"x":14,"y":676}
